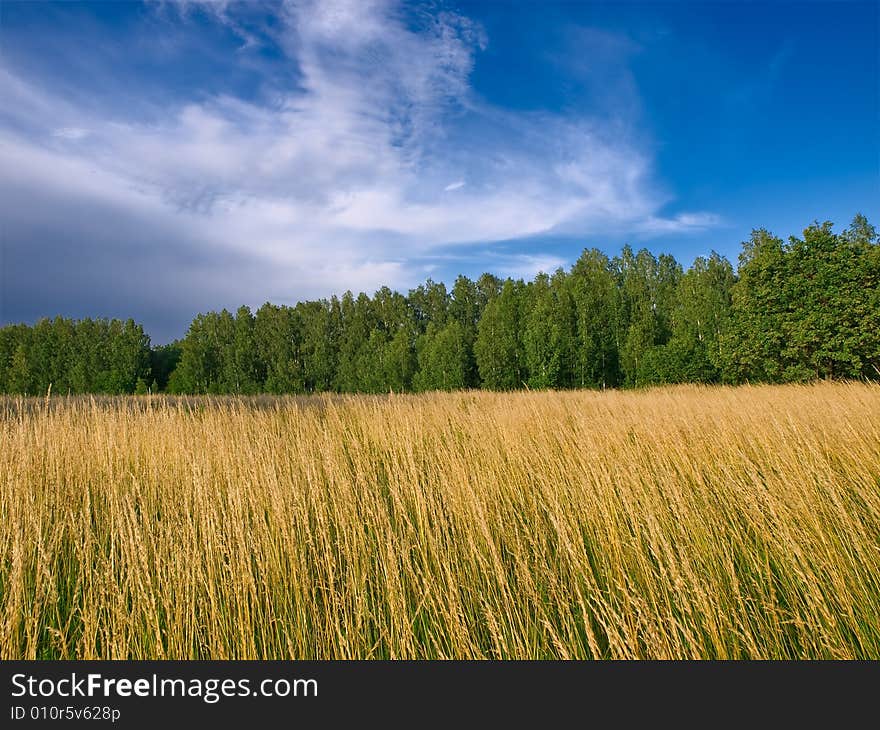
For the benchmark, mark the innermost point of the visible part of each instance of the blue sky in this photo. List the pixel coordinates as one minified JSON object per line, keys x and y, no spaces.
{"x":163,"y":158}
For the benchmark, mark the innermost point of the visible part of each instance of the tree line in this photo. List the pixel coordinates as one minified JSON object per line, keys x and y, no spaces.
{"x":791,"y":311}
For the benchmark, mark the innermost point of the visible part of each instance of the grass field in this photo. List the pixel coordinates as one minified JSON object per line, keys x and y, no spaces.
{"x":683,"y":522}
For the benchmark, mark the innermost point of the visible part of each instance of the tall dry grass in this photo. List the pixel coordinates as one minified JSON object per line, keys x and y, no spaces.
{"x":681,"y":522}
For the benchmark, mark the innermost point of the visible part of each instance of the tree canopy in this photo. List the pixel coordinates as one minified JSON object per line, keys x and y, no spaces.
{"x":791,"y":311}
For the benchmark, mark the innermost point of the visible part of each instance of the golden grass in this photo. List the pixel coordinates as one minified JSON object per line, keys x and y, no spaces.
{"x":683,"y":522}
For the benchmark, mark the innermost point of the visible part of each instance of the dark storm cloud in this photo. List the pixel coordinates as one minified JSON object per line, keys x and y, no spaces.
{"x":62,"y":255}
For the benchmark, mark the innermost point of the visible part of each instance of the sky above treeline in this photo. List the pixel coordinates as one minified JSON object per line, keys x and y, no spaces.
{"x":160,"y":159}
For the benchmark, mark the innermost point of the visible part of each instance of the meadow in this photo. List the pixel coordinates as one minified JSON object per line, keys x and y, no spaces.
{"x":677,"y":522}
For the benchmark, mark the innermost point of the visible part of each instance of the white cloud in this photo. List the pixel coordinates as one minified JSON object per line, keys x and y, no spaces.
{"x":682,"y":222}
{"x":340,"y":181}
{"x":526,"y":266}
{"x":70,"y":133}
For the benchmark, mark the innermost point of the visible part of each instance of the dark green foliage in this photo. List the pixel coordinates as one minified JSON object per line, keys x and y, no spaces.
{"x":598,"y":321}
{"x":466,"y":307}
{"x":430,"y":303}
{"x":699,"y":328}
{"x":806,"y":309}
{"x":499,"y":348}
{"x":647,"y":291}
{"x":163,"y":361}
{"x":550,"y":332}
{"x":85,"y":356}
{"x":199,"y":366}
{"x":321,"y":325}
{"x":442,"y":358}
{"x":809,"y":308}
{"x":399,"y":364}
{"x":277,"y":354}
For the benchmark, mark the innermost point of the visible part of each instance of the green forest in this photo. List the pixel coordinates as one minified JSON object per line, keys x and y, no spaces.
{"x":790,"y":311}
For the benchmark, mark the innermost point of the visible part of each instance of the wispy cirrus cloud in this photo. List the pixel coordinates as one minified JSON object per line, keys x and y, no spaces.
{"x":70,"y":133}
{"x":339,"y":178}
